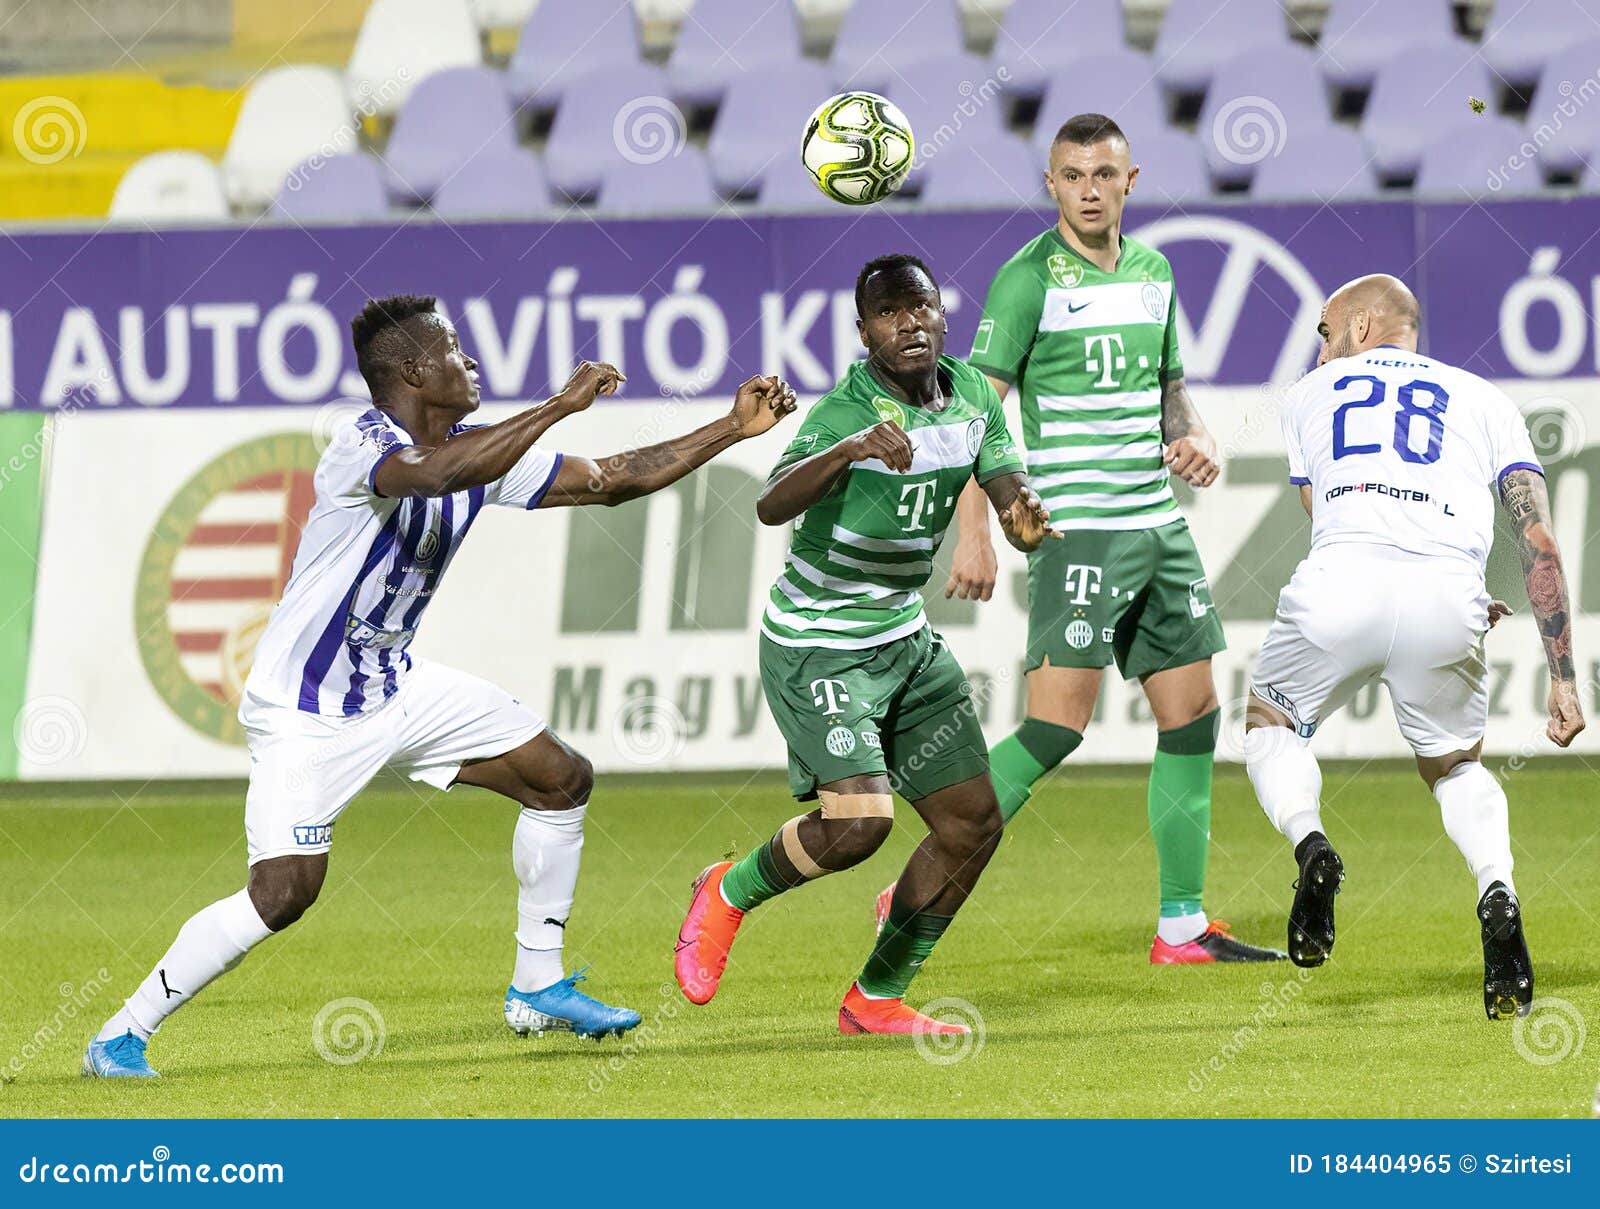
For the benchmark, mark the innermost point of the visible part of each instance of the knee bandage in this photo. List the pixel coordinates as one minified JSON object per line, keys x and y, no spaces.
{"x":833,"y":807}
{"x":855,"y":805}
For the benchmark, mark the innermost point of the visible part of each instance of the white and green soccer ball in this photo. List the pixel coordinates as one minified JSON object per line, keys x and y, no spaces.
{"x":857,"y":147}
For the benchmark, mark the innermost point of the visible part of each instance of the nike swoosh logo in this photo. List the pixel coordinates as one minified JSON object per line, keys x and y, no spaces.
{"x":1073,"y":310}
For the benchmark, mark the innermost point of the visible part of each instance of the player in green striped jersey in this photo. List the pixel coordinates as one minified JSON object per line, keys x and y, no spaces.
{"x":868,"y":697}
{"x":1082,"y":321}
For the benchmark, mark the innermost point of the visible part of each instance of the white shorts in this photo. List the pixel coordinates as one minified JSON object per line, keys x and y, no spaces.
{"x":1354,"y":612}
{"x":306,"y":768}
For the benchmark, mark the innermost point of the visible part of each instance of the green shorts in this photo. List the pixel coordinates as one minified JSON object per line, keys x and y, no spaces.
{"x":903,"y":708}
{"x":1139,"y":596}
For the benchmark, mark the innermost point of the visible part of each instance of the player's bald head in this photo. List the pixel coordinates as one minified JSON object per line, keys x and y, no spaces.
{"x":1380,"y":295}
{"x":1366,"y":312}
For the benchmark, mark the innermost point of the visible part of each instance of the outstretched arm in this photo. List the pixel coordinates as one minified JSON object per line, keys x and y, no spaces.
{"x":485,"y":454}
{"x":1527,"y":500}
{"x":760,"y":403}
{"x":1191,"y":452}
{"x":973,"y":567}
{"x":789,"y":494}
{"x":1023,"y":517}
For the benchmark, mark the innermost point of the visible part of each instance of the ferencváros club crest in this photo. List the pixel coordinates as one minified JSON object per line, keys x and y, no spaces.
{"x":1066,"y":271}
{"x":213,"y":568}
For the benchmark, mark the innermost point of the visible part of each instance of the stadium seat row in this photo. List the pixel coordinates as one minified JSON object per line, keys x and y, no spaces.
{"x":1267,"y":120}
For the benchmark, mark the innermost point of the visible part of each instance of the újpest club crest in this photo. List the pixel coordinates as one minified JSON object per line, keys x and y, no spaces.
{"x":213,"y":568}
{"x":1066,"y":271}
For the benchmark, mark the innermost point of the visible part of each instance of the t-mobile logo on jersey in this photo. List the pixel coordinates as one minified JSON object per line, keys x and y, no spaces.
{"x":829,"y":696}
{"x":1102,"y":354}
{"x":921,"y":496}
{"x":1082,"y":583}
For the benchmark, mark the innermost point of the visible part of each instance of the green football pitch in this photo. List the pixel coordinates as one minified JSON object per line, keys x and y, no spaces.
{"x":1050,"y":956}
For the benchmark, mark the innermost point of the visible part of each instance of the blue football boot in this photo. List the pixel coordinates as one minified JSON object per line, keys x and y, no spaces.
{"x":119,"y":1058}
{"x":562,"y":1006}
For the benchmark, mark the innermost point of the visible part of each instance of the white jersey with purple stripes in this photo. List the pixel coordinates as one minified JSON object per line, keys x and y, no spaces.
{"x":366,"y":568}
{"x":1404,"y":451}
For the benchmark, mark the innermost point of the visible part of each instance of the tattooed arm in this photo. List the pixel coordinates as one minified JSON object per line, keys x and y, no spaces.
{"x":760,"y":403}
{"x":1191,"y":453}
{"x":1527,"y":501}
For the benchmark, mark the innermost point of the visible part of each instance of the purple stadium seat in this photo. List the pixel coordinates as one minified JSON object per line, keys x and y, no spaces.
{"x":678,"y":182}
{"x":1040,"y":39}
{"x":347,"y":187}
{"x":879,"y":44}
{"x":1118,"y":84}
{"x":761,"y":121}
{"x":721,"y":41}
{"x":1172,"y":169}
{"x":1260,"y":101}
{"x":952,"y":101}
{"x":449,"y":118}
{"x":787,"y":187}
{"x":497,"y":182}
{"x":1415,"y":99}
{"x":1564,"y":121}
{"x":1522,"y":36}
{"x":954,"y":93}
{"x":1479,"y":157}
{"x":565,"y":40}
{"x":1002,"y":172}
{"x":606,"y":113}
{"x":1332,"y":164}
{"x":1360,"y":36}
{"x":1198,"y":34}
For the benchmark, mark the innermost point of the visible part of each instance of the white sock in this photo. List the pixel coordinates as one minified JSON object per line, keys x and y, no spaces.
{"x":212,"y":942}
{"x":1287,"y":780}
{"x":544,"y":852}
{"x":1181,"y":929}
{"x":1473,"y":806}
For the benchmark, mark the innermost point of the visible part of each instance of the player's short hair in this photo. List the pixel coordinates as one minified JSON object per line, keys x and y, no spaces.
{"x":380,"y":336}
{"x":887,"y":264}
{"x":1085,"y":129}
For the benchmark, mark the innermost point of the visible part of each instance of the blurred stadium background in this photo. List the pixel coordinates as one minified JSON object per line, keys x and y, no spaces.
{"x":197,"y":194}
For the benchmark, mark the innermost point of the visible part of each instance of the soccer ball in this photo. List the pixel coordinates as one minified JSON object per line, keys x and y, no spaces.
{"x":857,"y":147}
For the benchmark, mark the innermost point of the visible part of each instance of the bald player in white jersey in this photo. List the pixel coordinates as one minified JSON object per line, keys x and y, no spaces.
{"x":334,"y":695}
{"x":1398,"y":458}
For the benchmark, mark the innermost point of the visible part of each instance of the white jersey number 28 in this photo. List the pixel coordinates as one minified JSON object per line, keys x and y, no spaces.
{"x":1417,"y":400}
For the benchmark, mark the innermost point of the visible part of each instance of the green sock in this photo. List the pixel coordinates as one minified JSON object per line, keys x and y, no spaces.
{"x":753,"y":879}
{"x":903,"y":945}
{"x":1180,"y":811}
{"x":1021,"y":758}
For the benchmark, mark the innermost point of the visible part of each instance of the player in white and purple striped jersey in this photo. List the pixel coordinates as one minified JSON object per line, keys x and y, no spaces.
{"x":335,"y":695}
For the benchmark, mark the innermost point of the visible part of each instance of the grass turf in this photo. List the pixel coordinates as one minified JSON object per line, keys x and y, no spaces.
{"x":417,"y":915}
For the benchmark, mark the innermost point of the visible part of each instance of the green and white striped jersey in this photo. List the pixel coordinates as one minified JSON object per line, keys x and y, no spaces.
{"x":861,"y":554}
{"x":1089,"y":352}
